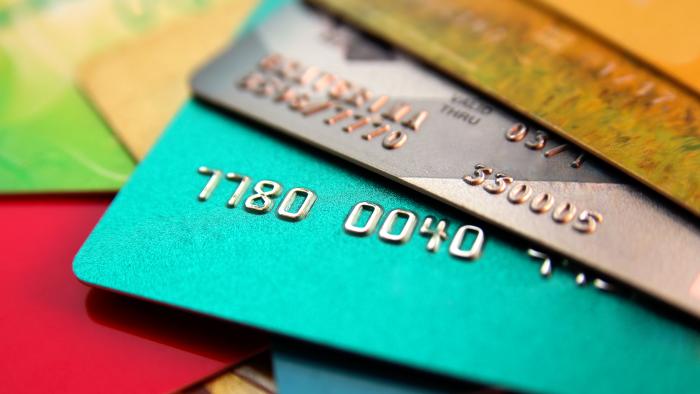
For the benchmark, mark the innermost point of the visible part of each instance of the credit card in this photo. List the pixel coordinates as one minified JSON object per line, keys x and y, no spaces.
{"x":663,"y":33}
{"x":304,"y":369}
{"x":139,"y":85}
{"x":51,"y":138}
{"x":252,"y":376}
{"x":328,"y":86}
{"x":618,"y":108}
{"x":344,"y":259}
{"x":57,"y":335}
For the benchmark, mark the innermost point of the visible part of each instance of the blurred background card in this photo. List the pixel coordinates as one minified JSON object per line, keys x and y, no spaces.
{"x":664,"y":33}
{"x":51,"y":139}
{"x":139,"y":85}
{"x":302,"y":368}
{"x":252,"y":376}
{"x":57,"y":335}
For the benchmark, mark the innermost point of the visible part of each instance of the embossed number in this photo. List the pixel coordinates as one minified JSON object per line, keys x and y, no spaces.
{"x":499,"y":184}
{"x":214,"y":179}
{"x":436,"y":235}
{"x":456,"y":245}
{"x":517,"y":132}
{"x":564,"y":212}
{"x":406,"y":231}
{"x":587,"y":221}
{"x":244,"y":182}
{"x":302,"y":211}
{"x":351,"y":221}
{"x":263,"y":195}
{"x":479,"y":175}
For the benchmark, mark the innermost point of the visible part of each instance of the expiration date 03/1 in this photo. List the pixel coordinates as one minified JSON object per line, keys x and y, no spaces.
{"x":363,"y":218}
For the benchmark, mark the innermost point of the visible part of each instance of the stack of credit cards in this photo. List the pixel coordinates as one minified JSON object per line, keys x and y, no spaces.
{"x":404,"y":196}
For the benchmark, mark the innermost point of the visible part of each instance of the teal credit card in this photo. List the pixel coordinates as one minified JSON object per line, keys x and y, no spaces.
{"x":171,"y":237}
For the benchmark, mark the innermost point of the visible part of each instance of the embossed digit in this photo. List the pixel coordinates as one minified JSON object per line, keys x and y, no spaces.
{"x":406,"y":231}
{"x":214,"y":179}
{"x":516,"y":132}
{"x":475,"y":250}
{"x":271,"y":86}
{"x":479,"y":175}
{"x":271,"y":62}
{"x":299,"y":102}
{"x":244,"y":182}
{"x":252,"y":81}
{"x":394,"y":140}
{"x":435,"y":236}
{"x":564,"y":212}
{"x":546,"y":267}
{"x":302,"y":211}
{"x":538,"y":142}
{"x":499,"y":184}
{"x":542,"y":202}
{"x":587,"y":221}
{"x":367,"y":229}
{"x":519,"y":193}
{"x":289,"y":69}
{"x":263,"y":195}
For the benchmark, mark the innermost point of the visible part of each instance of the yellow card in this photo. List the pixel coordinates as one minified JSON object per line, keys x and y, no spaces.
{"x":139,"y":85}
{"x":663,"y":33}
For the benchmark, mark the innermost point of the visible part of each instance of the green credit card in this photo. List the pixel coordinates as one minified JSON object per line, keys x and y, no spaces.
{"x":171,"y":236}
{"x":50,"y":138}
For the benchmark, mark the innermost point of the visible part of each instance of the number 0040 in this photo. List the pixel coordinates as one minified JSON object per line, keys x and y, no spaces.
{"x":391,"y":231}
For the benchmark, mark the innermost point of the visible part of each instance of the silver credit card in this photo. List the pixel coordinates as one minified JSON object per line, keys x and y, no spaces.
{"x":305,"y":74}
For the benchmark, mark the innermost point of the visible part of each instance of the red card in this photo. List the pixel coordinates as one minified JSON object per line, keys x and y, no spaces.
{"x":58,"y":335}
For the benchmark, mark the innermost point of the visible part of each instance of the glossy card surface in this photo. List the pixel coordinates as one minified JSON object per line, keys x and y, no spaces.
{"x":398,"y":302}
{"x":60,"y":336}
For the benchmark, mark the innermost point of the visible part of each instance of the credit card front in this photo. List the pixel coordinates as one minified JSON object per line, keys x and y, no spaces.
{"x":453,"y":297}
{"x":321,"y":82}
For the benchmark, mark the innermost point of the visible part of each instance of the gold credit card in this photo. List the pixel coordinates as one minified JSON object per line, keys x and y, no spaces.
{"x":254,"y":376}
{"x":572,"y":81}
{"x":138,"y":86}
{"x":663,"y":33}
